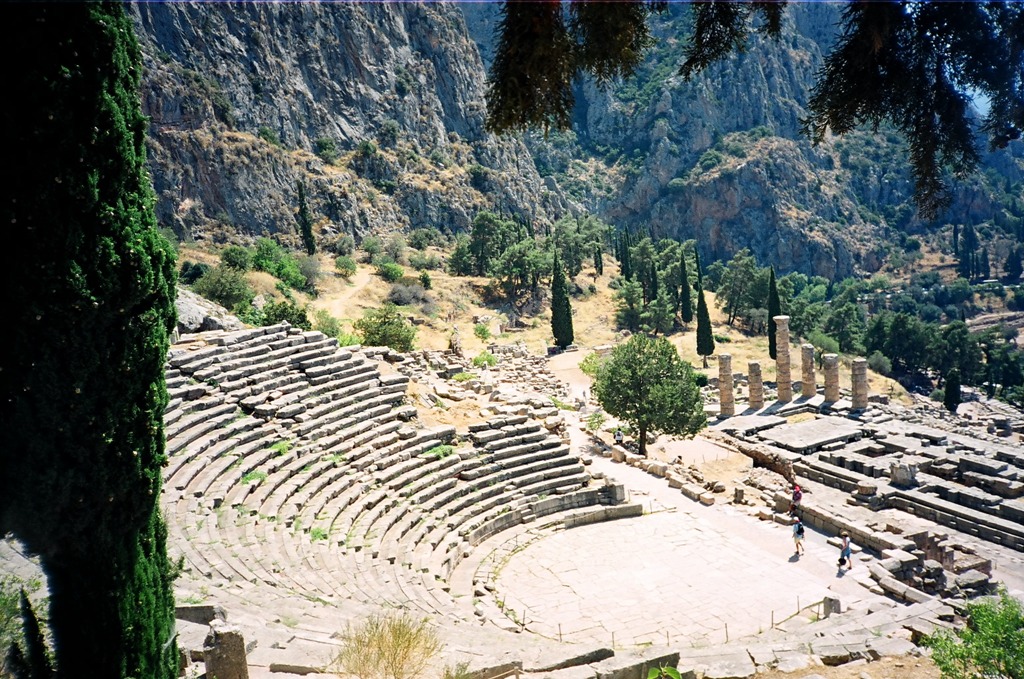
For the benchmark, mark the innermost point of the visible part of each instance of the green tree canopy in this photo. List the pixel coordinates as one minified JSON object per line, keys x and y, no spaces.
{"x":990,"y":645}
{"x":774,"y":309}
{"x":645,"y":383}
{"x":914,"y":65}
{"x":91,"y":303}
{"x":705,"y":338}
{"x":385,"y":327}
{"x":561,"y":310}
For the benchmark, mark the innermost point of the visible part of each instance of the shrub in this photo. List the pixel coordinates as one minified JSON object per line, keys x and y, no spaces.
{"x":387,"y":647}
{"x":309,"y":267}
{"x":426,"y":281}
{"x":700,"y":379}
{"x":236,"y":257}
{"x":591,"y":364}
{"x":880,"y":363}
{"x":278,"y":312}
{"x":463,"y":377}
{"x":366,"y":148}
{"x":390,"y":271}
{"x":937,"y":395}
{"x":268,"y":135}
{"x":327,"y":149}
{"x":485,"y":359}
{"x":372,"y":246}
{"x":345,"y":266}
{"x":385,"y":327}
{"x":422,"y":261}
{"x":405,"y":295}
{"x":595,"y":421}
{"x":225,"y":286}
{"x":192,"y":271}
{"x":394,"y":248}
{"x":482,"y":331}
{"x":388,"y":134}
{"x":440,"y":451}
{"x":722,"y":339}
{"x":421,"y":239}
{"x":990,"y":645}
{"x":344,"y":245}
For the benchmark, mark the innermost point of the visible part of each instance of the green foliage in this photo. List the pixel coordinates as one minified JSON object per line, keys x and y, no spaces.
{"x":482,"y":331}
{"x":366,"y":149}
{"x":645,"y":383}
{"x":255,"y":476}
{"x":345,"y":266}
{"x":463,"y":377}
{"x":991,"y":644}
{"x":388,"y":133}
{"x":236,"y":257}
{"x":82,"y":447}
{"x":372,"y":246}
{"x":485,"y":359}
{"x":390,"y":271}
{"x":225,"y":286}
{"x":595,"y":421}
{"x":327,"y":149}
{"x":281,"y":447}
{"x":425,"y":280}
{"x":316,"y":533}
{"x":951,"y":394}
{"x":305,"y":220}
{"x":422,"y":238}
{"x":387,"y":647}
{"x":394,"y":248}
{"x":591,"y":363}
{"x":880,"y":363}
{"x":663,"y":672}
{"x":385,"y":327}
{"x":460,"y":262}
{"x":192,"y":271}
{"x":344,"y":245}
{"x":269,"y":135}
{"x":278,"y":262}
{"x":441,"y":451}
{"x":705,"y":337}
{"x":422,"y":261}
{"x":561,"y":309}
{"x":285,"y":311}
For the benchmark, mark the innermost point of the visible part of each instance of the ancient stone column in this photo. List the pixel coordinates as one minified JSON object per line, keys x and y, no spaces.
{"x":726,"y":401}
{"x":831,"y":378}
{"x":783,"y":381}
{"x":807,"y":386}
{"x":754,"y":385}
{"x":859,"y":383}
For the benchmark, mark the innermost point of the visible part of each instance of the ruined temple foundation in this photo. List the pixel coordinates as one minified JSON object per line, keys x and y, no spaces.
{"x":783,"y":381}
{"x":755,"y":386}
{"x":807,"y":386}
{"x":726,"y":400}
{"x":859,"y":383}
{"x":831,"y":362}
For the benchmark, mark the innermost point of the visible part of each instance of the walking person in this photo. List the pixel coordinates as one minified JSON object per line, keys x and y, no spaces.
{"x":846,"y":552}
{"x":618,"y":436}
{"x":798,"y":536}
{"x":798,"y":496}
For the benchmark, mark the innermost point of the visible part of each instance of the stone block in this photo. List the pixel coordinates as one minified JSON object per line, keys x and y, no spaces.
{"x":224,"y":652}
{"x":733,"y":666}
{"x":707,"y":499}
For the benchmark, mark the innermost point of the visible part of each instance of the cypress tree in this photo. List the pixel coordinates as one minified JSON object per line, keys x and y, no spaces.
{"x":685,"y":301}
{"x":951,"y":394}
{"x":90,"y":306}
{"x":305,"y":220}
{"x":561,"y":310}
{"x":774,"y":309}
{"x":599,"y":259}
{"x":626,"y":258}
{"x":705,"y":338}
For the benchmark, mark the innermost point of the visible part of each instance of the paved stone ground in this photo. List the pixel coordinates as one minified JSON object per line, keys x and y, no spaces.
{"x":685,"y":570}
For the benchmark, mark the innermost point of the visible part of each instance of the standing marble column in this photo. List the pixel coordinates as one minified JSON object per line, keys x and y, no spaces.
{"x":807,"y":386}
{"x":755,"y":385}
{"x":726,"y":400}
{"x":859,"y":383}
{"x":831,"y":378}
{"x":783,"y":380}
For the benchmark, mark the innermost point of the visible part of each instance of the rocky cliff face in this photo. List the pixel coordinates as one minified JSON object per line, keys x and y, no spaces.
{"x":241,"y":95}
{"x":720,"y":158}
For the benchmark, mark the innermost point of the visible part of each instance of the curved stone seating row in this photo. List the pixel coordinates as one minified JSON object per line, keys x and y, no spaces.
{"x":295,"y":466}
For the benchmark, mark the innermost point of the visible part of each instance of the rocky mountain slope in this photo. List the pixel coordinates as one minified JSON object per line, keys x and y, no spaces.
{"x":242,"y":96}
{"x":379,"y":109}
